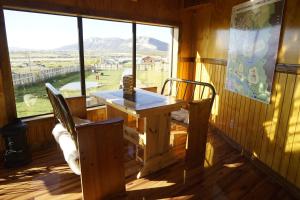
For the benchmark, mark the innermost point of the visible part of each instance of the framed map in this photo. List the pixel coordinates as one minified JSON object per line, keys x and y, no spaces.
{"x":254,"y":39}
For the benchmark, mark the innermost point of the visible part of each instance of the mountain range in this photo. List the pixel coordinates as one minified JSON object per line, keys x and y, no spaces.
{"x":118,"y":45}
{"x":113,"y":45}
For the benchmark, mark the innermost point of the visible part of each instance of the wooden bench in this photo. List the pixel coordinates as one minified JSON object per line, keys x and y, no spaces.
{"x":100,"y":149}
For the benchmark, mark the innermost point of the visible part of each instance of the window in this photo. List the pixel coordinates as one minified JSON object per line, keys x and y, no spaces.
{"x":107,"y":54}
{"x":43,"y":48}
{"x":153,"y":55}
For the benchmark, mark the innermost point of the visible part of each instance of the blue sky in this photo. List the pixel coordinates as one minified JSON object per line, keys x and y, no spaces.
{"x":43,"y":31}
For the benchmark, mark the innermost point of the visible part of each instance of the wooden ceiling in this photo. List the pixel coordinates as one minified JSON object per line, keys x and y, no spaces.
{"x":154,"y":11}
{"x":193,"y":3}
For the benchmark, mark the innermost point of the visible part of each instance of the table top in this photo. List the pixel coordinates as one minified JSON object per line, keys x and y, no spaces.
{"x":142,"y":104}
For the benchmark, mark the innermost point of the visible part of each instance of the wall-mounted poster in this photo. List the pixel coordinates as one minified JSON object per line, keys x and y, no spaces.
{"x":254,"y":39}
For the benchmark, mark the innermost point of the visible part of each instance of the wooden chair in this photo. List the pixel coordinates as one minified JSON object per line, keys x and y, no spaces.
{"x":200,"y":97}
{"x":100,"y":148}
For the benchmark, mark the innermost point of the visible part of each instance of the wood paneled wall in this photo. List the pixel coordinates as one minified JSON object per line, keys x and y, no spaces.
{"x":270,"y":132}
{"x":154,"y":11}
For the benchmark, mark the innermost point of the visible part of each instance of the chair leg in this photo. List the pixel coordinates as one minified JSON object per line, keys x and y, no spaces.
{"x":137,"y":157}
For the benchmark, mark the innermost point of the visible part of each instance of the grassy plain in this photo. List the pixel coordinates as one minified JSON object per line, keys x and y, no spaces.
{"x":32,"y":99}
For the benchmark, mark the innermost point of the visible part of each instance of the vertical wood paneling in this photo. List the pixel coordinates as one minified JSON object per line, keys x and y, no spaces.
{"x":294,"y":162}
{"x":237,"y":116}
{"x":245,"y":121}
{"x":218,"y":96}
{"x":267,"y":122}
{"x":222,"y":106}
{"x":233,"y":115}
{"x":276,"y":110}
{"x":255,"y":130}
{"x":271,"y":132}
{"x":261,"y":132}
{"x":283,"y":122}
{"x":288,"y":160}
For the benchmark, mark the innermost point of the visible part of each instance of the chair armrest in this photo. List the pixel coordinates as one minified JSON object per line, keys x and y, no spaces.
{"x":77,"y":106}
{"x":101,"y":150}
{"x":99,"y":123}
{"x":199,"y":113}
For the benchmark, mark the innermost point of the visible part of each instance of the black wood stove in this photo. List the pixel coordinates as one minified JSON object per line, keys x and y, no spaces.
{"x":17,"y":152}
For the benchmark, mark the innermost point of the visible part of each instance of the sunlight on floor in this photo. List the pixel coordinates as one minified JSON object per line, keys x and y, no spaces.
{"x":181,"y":197}
{"x":150,"y":184}
{"x":233,"y":165}
{"x":209,"y":155}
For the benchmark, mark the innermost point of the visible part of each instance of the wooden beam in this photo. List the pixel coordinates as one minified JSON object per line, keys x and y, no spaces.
{"x":141,"y":11}
{"x":194,"y":3}
{"x":7,"y":98}
{"x":280,"y":67}
{"x":81,"y":55}
{"x":134,"y":53}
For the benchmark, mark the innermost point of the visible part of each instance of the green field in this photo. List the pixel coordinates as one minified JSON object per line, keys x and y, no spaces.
{"x":32,"y":99}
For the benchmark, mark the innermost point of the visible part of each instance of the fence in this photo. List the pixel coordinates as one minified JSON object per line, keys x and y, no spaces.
{"x":109,"y":67}
{"x":140,"y":67}
{"x":153,"y":67}
{"x":45,"y":74}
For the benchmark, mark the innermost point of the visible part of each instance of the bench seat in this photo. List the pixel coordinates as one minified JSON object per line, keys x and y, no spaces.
{"x":68,"y":147}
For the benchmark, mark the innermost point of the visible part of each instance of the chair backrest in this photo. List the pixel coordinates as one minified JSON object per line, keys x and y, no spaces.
{"x":186,"y":89}
{"x":61,"y":110}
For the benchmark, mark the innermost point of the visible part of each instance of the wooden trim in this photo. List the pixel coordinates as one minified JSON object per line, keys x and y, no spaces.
{"x":288,"y":68}
{"x":293,"y":190}
{"x":7,"y":96}
{"x":37,"y":118}
{"x":81,"y":55}
{"x":194,"y":4}
{"x":134,"y":54}
{"x":54,"y":8}
{"x":95,"y":108}
{"x":50,"y":115}
{"x":216,"y":61}
{"x":280,"y":67}
{"x":187,"y":59}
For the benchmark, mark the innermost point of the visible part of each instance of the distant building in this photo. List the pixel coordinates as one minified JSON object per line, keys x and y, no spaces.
{"x":148,"y":60}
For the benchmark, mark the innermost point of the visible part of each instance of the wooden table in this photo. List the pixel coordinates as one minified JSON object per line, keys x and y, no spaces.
{"x":154,"y":111}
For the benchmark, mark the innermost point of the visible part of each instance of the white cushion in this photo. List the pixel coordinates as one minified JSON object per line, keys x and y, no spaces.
{"x":68,"y":147}
{"x":181,"y":115}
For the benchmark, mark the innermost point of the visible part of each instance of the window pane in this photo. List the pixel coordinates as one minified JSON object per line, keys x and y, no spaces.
{"x":154,"y":54}
{"x":108,"y":54}
{"x":43,"y":48}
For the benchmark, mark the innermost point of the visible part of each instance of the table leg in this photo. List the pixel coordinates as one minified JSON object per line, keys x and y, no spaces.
{"x":157,"y":152}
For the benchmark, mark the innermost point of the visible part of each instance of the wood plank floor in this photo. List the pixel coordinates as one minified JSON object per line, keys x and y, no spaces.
{"x":227,"y":175}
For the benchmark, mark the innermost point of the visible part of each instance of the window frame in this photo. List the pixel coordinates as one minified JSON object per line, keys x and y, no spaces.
{"x":173,"y":54}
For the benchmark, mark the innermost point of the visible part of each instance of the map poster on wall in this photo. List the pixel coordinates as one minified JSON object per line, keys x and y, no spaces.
{"x":254,"y":39}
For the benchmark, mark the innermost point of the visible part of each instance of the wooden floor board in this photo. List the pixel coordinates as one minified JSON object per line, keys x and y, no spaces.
{"x":228,"y":176}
